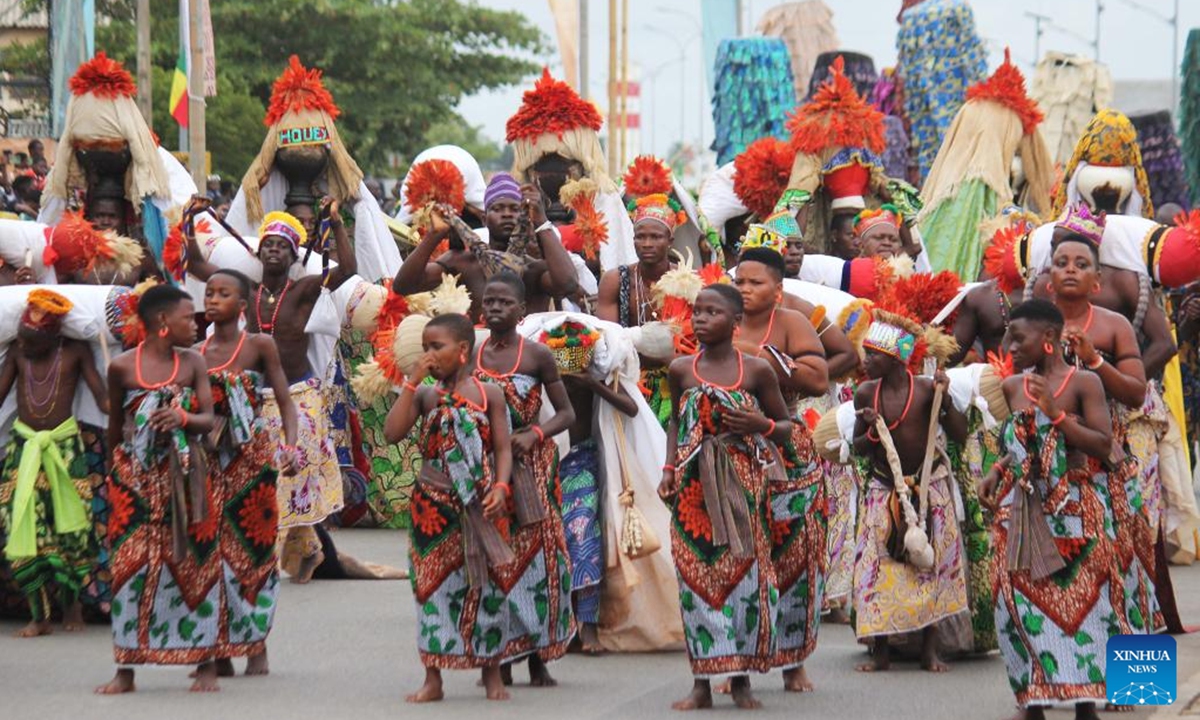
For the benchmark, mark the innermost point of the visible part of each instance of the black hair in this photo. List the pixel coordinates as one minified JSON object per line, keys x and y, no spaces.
{"x":840,"y":221}
{"x":1078,"y":238}
{"x":457,"y":325}
{"x":1038,"y":310}
{"x":160,"y":298}
{"x":243,"y":282}
{"x":511,"y":279}
{"x":729,"y":294}
{"x":768,"y":257}
{"x":23,"y":188}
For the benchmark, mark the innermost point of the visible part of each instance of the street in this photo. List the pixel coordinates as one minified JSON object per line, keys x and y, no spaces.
{"x":346,"y":649}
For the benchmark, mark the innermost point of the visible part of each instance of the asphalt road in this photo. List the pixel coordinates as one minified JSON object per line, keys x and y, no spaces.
{"x":345,"y":649}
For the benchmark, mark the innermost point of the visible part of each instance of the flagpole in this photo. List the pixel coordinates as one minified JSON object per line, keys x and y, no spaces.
{"x":196,"y":134}
{"x":145,"y":105}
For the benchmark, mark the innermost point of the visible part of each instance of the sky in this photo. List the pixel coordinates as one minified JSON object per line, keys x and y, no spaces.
{"x":1134,"y":44}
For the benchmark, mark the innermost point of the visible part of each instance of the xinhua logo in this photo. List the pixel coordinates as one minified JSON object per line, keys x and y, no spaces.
{"x":1141,"y":669}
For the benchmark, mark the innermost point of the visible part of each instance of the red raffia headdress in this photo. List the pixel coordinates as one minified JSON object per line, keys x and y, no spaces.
{"x":647,"y":175}
{"x":761,"y":174}
{"x":300,"y":103}
{"x":103,"y":77}
{"x":73,"y":246}
{"x":923,"y":295}
{"x":1003,"y":259}
{"x":1006,"y":86}
{"x":836,"y":116}
{"x":554,"y":119}
{"x":435,"y":181}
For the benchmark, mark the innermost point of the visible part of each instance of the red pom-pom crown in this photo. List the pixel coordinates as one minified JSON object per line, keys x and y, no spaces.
{"x":761,"y":174}
{"x":299,"y":89}
{"x":435,"y":181}
{"x":1007,"y":87}
{"x":647,"y":175}
{"x":103,"y":77}
{"x":552,"y":106}
{"x":1000,"y":259}
{"x":836,"y":117}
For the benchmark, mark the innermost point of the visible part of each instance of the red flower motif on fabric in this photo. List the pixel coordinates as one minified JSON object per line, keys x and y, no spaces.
{"x":120,"y":512}
{"x":205,"y":531}
{"x":426,"y":517}
{"x":259,"y":516}
{"x":780,"y":529}
{"x":691,"y":512}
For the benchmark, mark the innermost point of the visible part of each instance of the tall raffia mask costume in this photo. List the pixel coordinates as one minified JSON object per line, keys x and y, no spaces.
{"x":970,"y":180}
{"x":302,"y":159}
{"x":1106,"y":170}
{"x":556,"y":146}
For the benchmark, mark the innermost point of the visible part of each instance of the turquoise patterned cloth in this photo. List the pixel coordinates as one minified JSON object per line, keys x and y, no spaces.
{"x":754,"y":93}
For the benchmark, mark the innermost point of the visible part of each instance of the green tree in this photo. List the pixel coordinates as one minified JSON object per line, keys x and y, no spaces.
{"x":396,"y":68}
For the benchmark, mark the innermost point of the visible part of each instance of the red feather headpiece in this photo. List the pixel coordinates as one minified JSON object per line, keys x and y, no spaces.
{"x":296,"y":90}
{"x":761,"y":174}
{"x":1007,"y":87}
{"x":552,"y":106}
{"x":1000,"y":260}
{"x":435,"y":181}
{"x":647,"y":175}
{"x":175,"y":253}
{"x":72,"y":245}
{"x":394,"y":309}
{"x":836,"y":117}
{"x":103,"y":77}
{"x":922,"y":295}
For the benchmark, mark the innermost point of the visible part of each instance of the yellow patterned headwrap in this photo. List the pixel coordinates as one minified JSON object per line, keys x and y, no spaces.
{"x":284,"y":225}
{"x":763,"y":236}
{"x":1109,"y":140}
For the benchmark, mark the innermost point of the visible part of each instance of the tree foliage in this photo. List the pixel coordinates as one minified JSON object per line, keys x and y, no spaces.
{"x":396,"y":68}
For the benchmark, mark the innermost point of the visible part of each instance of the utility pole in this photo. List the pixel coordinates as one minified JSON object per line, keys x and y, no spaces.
{"x":196,"y":135}
{"x":621,"y":159}
{"x":583,"y":50}
{"x":612,"y":88}
{"x":1038,"y":19}
{"x":144,"y":96}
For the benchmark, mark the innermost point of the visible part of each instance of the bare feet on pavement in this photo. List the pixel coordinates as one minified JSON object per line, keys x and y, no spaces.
{"x":493,"y":685}
{"x":431,"y":691}
{"x":740,"y":692}
{"x":257,"y":664}
{"x":34,"y":629}
{"x":121,"y":683}
{"x":206,"y":678}
{"x":700,"y":698}
{"x":796,"y":680}
{"x":73,"y":617}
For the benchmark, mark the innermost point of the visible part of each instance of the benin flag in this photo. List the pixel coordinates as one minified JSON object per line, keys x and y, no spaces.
{"x":179,"y":96}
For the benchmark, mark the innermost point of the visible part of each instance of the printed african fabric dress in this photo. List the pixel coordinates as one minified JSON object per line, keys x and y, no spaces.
{"x":315,"y":492}
{"x":466,"y":617}
{"x":971,"y":465}
{"x":1133,"y":541}
{"x":798,"y":547}
{"x":166,"y":560}
{"x":1052,"y":629}
{"x":653,"y":380}
{"x":892,"y":596}
{"x":541,"y":595}
{"x":720,"y":522}
{"x":580,"y":473}
{"x":242,"y":475}
{"x":841,"y":500}
{"x":45,"y":516}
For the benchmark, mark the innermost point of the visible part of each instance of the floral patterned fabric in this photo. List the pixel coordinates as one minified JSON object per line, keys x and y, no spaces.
{"x":580,"y":472}
{"x":315,"y":492}
{"x":1129,"y":528}
{"x":1053,"y":630}
{"x":730,"y":604}
{"x":971,"y":465}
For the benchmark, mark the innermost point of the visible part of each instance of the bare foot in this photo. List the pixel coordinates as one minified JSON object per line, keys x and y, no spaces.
{"x":431,"y":691}
{"x":308,"y":565}
{"x":742,"y":697}
{"x":837,"y":616}
{"x":122,"y":682}
{"x":73,"y":617}
{"x":880,"y":658}
{"x":1087,"y":711}
{"x":224,"y":669}
{"x":724,"y":687}
{"x":934,"y":665}
{"x":796,"y":680}
{"x":493,"y":685}
{"x":35,"y":628}
{"x":539,"y":674}
{"x":589,"y":639}
{"x":929,"y":657}
{"x":257,"y":664}
{"x":206,"y":678}
{"x":700,"y":698}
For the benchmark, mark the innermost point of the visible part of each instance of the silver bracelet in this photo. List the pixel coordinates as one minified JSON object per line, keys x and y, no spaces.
{"x":544,"y":226}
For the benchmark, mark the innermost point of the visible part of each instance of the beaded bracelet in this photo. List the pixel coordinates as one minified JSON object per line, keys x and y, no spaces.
{"x":409,"y":386}
{"x":1062,"y":415}
{"x":771,"y":431}
{"x":540,"y":433}
{"x":507,"y":488}
{"x":1096,"y":365}
{"x":183,"y":417}
{"x":668,"y":467}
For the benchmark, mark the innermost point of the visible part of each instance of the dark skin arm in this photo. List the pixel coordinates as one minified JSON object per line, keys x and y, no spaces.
{"x":403,"y":415}
{"x":952,"y":421}
{"x":765,"y":386}
{"x":495,"y":504}
{"x":197,"y":266}
{"x":1126,"y":380}
{"x":117,"y":372}
{"x":276,"y":378}
{"x":196,"y":423}
{"x":615,"y":395}
{"x":840,"y":356}
{"x":668,"y":487}
{"x":864,"y":417}
{"x":91,"y":377}
{"x":607,"y":307}
{"x":8,"y":373}
{"x":347,"y":262}
{"x":558,"y":278}
{"x":966,"y":327}
{"x":1160,"y":346}
{"x":1093,"y":432}
{"x":564,"y":414}
{"x":418,"y":272}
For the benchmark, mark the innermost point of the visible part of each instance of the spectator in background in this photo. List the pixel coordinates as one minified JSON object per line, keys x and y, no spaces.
{"x":376,"y":189}
{"x":221,"y":206}
{"x":213,"y":190}
{"x":28,"y":197}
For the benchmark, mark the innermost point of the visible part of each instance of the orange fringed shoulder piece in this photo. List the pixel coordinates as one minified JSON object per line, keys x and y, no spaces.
{"x":552,"y":106}
{"x":1000,"y":259}
{"x":297,"y":89}
{"x":647,"y":175}
{"x":1007,"y":87}
{"x":174,"y":253}
{"x":394,"y":309}
{"x":103,"y":77}
{"x":761,"y":174}
{"x":837,"y":116}
{"x":591,"y":229}
{"x":383,"y":340}
{"x":435,"y":181}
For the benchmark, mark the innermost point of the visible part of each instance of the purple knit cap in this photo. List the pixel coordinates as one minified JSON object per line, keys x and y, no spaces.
{"x":502,"y":187}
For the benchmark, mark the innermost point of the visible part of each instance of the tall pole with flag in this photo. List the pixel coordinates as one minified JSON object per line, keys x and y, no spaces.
{"x":198,"y":20}
{"x":179,"y":82}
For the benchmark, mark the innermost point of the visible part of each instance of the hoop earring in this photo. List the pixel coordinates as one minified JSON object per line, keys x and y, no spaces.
{"x":1048,"y":347}
{"x":462,"y":358}
{"x":163,"y":332}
